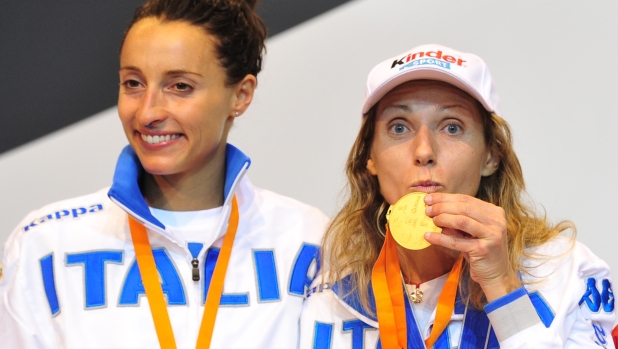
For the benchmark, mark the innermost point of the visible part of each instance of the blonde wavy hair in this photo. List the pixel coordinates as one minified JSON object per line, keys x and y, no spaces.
{"x":356,"y":235}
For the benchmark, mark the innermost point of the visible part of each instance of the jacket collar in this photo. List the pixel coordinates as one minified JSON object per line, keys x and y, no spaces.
{"x":126,"y":193}
{"x":349,"y":297}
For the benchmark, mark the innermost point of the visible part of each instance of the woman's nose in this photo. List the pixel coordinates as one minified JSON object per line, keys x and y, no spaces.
{"x":424,"y":147}
{"x":151,"y":109}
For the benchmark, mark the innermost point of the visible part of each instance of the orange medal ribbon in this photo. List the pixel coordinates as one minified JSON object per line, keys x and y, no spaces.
{"x":386,"y":282}
{"x":154,"y":292}
{"x":446,"y":303}
{"x":388,"y":291}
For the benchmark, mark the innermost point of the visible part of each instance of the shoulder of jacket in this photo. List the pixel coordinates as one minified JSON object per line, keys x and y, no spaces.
{"x":52,"y":218}
{"x":66,"y":210}
{"x":563,"y":248}
{"x":563,"y":258}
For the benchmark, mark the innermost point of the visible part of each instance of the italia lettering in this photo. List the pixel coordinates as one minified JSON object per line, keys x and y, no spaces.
{"x":93,"y":264}
{"x":171,"y":284}
{"x":322,"y":336}
{"x":71,"y":213}
{"x":356,"y":328}
{"x":429,"y":54}
{"x":96,"y":270}
{"x":300,"y":280}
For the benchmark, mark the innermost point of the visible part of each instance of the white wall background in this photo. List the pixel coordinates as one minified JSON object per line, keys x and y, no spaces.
{"x":553,"y":62}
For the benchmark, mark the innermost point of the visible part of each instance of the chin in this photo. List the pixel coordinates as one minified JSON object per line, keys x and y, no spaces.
{"x":158,"y":167}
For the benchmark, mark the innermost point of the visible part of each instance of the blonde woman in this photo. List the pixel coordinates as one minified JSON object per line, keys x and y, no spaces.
{"x":498,"y":275}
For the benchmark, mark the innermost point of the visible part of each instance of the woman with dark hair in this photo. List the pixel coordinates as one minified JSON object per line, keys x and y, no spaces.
{"x":435,"y":247}
{"x":182,"y":250}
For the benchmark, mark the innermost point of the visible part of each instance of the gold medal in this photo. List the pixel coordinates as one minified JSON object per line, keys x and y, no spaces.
{"x":409,"y":223}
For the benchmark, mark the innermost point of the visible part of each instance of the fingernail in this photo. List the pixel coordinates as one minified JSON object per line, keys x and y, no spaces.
{"x":427,"y":235}
{"x":428,"y":210}
{"x":428,"y":199}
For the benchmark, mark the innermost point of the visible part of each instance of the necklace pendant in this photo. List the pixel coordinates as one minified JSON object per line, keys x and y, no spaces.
{"x":416,"y":296}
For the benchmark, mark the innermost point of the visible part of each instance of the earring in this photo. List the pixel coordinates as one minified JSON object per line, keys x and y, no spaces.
{"x":237,"y":113}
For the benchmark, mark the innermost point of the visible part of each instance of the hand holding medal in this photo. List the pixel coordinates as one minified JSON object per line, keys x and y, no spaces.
{"x":478,"y":229}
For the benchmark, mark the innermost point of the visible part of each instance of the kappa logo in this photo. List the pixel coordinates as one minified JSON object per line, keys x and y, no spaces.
{"x":595,"y":300}
{"x":62,"y":214}
{"x":429,"y":57}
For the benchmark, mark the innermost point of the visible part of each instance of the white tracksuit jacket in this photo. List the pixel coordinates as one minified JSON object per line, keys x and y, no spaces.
{"x":71,"y":279}
{"x":570,"y":304}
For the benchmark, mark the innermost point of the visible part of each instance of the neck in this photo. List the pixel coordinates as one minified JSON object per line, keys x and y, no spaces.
{"x":201,"y":189}
{"x":427,"y":264}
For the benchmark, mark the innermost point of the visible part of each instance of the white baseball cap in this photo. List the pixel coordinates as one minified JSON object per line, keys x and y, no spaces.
{"x":465,"y":71}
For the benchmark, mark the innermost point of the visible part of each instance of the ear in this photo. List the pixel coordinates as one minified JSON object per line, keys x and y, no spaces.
{"x":244,"y":94}
{"x":371,"y":167}
{"x":491,"y":164}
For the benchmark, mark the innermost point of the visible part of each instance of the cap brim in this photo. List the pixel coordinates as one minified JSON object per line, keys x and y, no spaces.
{"x":427,"y":73}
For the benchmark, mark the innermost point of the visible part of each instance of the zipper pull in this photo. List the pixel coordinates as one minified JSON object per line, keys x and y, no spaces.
{"x":195,"y":271}
{"x":194,"y":249}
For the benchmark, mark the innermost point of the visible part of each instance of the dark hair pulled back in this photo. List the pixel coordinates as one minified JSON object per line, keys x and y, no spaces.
{"x":240,"y":32}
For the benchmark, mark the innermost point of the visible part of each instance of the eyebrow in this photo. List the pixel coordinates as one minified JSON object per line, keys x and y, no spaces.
{"x":451,"y":106}
{"x":169,"y":72}
{"x":398,"y":106}
{"x":181,"y":71}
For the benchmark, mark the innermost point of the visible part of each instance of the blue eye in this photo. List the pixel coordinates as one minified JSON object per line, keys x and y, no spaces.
{"x":398,"y":129}
{"x":452,"y":129}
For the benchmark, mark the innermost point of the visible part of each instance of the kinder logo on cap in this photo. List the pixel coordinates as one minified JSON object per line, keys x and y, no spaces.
{"x":440,"y":60}
{"x":465,"y":71}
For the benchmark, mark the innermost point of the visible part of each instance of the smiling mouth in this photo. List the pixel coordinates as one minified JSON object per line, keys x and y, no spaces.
{"x":158,"y":138}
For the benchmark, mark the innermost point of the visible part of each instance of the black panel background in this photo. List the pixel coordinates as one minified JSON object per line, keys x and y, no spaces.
{"x":59,"y":59}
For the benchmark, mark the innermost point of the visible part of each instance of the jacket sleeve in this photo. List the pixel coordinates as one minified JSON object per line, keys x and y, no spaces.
{"x":573,"y":307}
{"x":20,"y":327}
